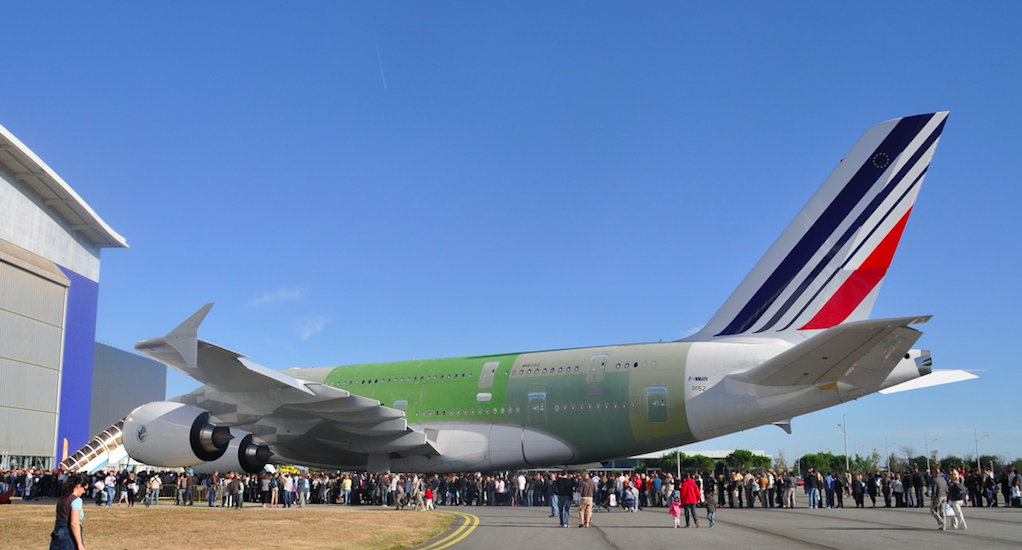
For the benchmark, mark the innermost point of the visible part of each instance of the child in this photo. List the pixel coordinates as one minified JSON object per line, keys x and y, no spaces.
{"x":429,"y":498}
{"x":675,"y":511}
{"x":711,"y":508}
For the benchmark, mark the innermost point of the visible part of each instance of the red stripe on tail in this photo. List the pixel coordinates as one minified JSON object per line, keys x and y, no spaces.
{"x":860,"y":283}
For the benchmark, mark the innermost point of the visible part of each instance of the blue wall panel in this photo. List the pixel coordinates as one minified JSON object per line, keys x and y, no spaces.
{"x":79,"y":348}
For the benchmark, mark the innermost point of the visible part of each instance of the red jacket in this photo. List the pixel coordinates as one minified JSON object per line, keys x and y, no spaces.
{"x":689,"y":492}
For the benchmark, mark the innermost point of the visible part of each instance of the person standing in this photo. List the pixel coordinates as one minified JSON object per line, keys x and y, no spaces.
{"x":586,"y":492}
{"x":552,"y":494}
{"x":917,"y":485}
{"x":839,"y":491}
{"x":711,"y":511}
{"x":790,"y":484}
{"x":812,"y":485}
{"x":857,"y":489}
{"x":67,"y":528}
{"x":689,"y":499}
{"x":938,"y":500}
{"x":675,"y":512}
{"x":565,"y":488}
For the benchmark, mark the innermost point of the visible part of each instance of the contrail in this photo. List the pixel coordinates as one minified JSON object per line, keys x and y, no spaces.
{"x":379,"y":58}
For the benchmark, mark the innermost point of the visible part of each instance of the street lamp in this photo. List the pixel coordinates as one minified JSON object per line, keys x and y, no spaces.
{"x":979,"y":467}
{"x":926,"y":445}
{"x":844,"y":427}
{"x":887,"y":452}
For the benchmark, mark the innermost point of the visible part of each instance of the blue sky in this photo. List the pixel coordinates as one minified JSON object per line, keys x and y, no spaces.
{"x":358,"y":182}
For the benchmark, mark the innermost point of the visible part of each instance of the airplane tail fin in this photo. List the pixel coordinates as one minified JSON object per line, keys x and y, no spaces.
{"x":827,"y":266}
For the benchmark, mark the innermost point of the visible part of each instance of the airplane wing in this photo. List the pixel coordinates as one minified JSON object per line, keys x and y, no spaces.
{"x":296,"y":417}
{"x":862,"y":353}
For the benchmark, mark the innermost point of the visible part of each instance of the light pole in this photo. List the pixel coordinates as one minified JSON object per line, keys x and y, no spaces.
{"x":798,"y":461}
{"x":844,"y":427}
{"x":926,"y":445}
{"x":887,"y":451}
{"x":979,"y":467}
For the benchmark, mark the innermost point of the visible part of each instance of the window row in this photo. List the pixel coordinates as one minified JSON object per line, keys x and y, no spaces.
{"x":510,"y":410}
{"x":551,"y":370}
{"x":470,"y":412}
{"x":589,"y":407}
{"x":402,"y":379}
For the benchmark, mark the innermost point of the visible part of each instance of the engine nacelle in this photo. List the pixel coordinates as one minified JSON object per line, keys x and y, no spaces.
{"x":173,"y":435}
{"x":242,"y":455}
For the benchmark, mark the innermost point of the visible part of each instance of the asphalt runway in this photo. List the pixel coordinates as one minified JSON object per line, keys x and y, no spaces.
{"x":504,"y":528}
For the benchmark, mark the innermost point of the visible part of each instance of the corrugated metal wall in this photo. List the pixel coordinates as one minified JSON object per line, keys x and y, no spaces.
{"x":31,"y":335}
{"x":121,"y":381}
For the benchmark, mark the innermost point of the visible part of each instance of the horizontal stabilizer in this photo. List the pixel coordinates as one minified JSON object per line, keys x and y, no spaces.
{"x":935,"y":378}
{"x":828,"y":356}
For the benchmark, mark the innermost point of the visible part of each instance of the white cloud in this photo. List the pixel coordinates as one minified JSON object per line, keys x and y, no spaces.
{"x":692,"y":331}
{"x":311,"y":325}
{"x":281,"y":294}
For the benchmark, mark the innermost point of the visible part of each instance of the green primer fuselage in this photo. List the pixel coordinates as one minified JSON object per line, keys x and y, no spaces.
{"x":602,"y":402}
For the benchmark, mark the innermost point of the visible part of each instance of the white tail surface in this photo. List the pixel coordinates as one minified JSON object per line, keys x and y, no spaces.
{"x":827,"y":266}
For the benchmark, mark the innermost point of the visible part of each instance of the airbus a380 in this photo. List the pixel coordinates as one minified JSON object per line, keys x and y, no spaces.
{"x":793,"y":338}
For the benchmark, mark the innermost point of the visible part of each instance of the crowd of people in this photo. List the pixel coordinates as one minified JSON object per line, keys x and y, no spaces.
{"x":629,"y":490}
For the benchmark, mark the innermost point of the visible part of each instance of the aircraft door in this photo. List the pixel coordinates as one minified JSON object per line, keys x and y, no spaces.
{"x":487,"y":375}
{"x":656,"y":404}
{"x":537,"y":404}
{"x":597,"y":366}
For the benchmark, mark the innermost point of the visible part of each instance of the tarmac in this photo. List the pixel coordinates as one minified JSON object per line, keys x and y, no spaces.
{"x":505,"y":528}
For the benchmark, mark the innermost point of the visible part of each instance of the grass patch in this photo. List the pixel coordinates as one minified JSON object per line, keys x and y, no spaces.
{"x":202,"y":528}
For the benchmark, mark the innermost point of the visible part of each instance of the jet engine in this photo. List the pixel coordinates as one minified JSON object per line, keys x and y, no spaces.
{"x":242,"y":455}
{"x":173,"y":435}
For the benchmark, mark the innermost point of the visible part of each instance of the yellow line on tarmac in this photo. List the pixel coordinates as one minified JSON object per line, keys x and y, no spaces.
{"x":471,"y":522}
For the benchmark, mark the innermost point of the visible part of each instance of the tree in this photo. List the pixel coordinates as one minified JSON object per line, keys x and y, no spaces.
{"x":739,"y":459}
{"x":993,"y":462}
{"x":896,"y":464}
{"x":781,"y":463}
{"x":909,"y":451}
{"x":956,"y":462}
{"x":761,"y":462}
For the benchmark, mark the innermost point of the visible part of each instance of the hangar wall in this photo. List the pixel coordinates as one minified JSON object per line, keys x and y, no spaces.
{"x":50,"y":244}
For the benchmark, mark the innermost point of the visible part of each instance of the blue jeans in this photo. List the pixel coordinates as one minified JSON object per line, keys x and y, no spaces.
{"x":110,"y":495}
{"x":553,"y":505}
{"x":814,"y":498}
{"x":830,"y":498}
{"x":564,"y":505}
{"x":287,"y":499}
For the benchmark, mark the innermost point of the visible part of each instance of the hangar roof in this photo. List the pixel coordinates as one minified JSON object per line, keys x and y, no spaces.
{"x":56,"y":193}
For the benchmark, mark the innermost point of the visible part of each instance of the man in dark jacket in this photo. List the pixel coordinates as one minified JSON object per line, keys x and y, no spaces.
{"x":565,"y":491}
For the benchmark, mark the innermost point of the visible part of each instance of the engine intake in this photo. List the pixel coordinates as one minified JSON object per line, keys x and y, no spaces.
{"x":173,"y":435}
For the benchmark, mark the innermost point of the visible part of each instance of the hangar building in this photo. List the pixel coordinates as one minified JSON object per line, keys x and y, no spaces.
{"x":50,"y":245}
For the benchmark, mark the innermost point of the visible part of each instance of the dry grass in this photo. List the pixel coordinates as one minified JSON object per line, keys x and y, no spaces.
{"x":202,"y":528}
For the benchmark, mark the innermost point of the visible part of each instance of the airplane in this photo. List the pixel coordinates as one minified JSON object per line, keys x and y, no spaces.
{"x":795,"y":337}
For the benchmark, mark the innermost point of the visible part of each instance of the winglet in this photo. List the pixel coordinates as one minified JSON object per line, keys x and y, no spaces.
{"x":185,"y":338}
{"x":191,"y":325}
